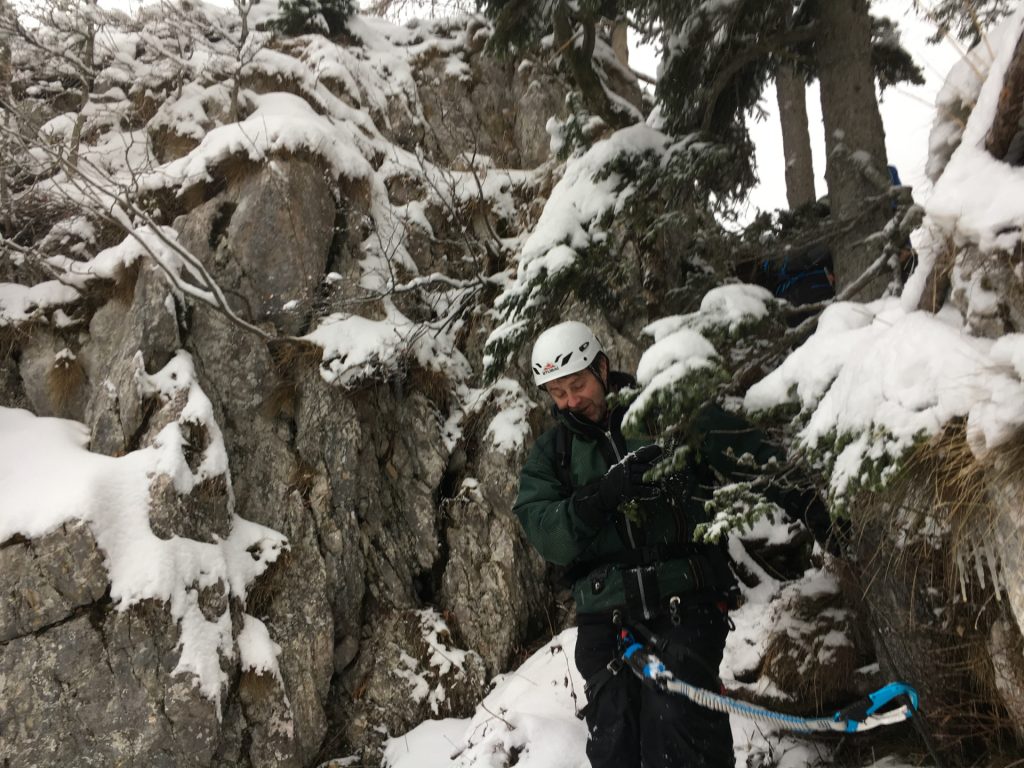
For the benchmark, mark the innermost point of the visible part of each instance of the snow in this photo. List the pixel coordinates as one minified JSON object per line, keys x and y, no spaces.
{"x":509,"y":430}
{"x":356,"y":348}
{"x":734,"y":305}
{"x":531,"y":709}
{"x":667,"y":362}
{"x":427,"y":746}
{"x":680,"y":347}
{"x":977,"y":197}
{"x":443,"y":662}
{"x":176,"y":378}
{"x":21,"y":303}
{"x":280,"y":123}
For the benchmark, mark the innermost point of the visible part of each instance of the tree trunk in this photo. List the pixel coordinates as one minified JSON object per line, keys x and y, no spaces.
{"x":620,"y":41}
{"x":796,"y":139}
{"x":6,"y":103}
{"x":580,"y":56}
{"x":855,"y":164}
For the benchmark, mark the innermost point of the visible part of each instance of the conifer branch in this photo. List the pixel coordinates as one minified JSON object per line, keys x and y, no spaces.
{"x":774,"y":44}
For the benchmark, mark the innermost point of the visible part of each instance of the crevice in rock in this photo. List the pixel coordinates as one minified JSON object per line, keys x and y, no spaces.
{"x":335,"y":251}
{"x":98,"y":610}
{"x":94,"y":611}
{"x":220,"y":223}
{"x":134,"y":441}
{"x":17,"y":540}
{"x":428,"y":584}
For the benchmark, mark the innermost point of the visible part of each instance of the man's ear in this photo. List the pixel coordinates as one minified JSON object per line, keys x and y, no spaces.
{"x":603,"y":367}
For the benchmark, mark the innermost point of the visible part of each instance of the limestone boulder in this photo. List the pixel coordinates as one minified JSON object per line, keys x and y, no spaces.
{"x":266,"y":240}
{"x":271,"y":486}
{"x":383,"y":457}
{"x":494,"y":582}
{"x":48,"y":579}
{"x":99,"y":689}
{"x":539,"y":97}
{"x":122,"y":340}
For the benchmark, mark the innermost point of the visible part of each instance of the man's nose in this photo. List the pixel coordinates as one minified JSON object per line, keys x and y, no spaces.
{"x":572,"y":402}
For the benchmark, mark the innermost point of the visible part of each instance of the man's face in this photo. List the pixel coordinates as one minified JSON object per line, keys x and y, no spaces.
{"x":580,"y":392}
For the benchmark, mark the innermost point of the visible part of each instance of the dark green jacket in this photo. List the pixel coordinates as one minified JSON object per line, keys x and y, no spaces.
{"x":600,"y":553}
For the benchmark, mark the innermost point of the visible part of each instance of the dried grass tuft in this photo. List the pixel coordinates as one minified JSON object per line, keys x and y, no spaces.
{"x":256,"y":685}
{"x":260,"y":596}
{"x":956,"y":496}
{"x":282,"y":402}
{"x":123,"y":290}
{"x":290,"y":355}
{"x":302,"y":479}
{"x":64,"y":382}
{"x":12,"y":337}
{"x":434,"y":384}
{"x":215,"y":487}
{"x":940,"y":513}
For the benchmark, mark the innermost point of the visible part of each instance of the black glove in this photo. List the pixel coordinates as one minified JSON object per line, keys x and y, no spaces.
{"x":599,"y":500}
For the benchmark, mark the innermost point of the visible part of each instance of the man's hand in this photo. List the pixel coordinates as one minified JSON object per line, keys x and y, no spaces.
{"x":624,"y":481}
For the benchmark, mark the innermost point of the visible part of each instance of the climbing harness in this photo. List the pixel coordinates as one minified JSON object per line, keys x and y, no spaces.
{"x":861,"y":716}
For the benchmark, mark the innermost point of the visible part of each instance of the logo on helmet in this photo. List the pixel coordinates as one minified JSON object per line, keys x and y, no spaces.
{"x":549,"y":367}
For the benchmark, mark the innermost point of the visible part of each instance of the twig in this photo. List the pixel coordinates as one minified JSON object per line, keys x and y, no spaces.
{"x":499,"y":717}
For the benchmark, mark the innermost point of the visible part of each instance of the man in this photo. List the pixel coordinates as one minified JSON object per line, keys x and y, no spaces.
{"x":585,"y":503}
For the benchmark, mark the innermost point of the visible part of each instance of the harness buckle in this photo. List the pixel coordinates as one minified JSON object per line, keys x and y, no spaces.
{"x":673,"y":609}
{"x":615,"y":665}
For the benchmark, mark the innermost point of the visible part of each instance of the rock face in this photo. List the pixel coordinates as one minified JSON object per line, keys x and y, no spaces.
{"x":49,"y":579}
{"x":122,"y":338}
{"x":414,"y":673}
{"x":85,"y":684}
{"x":492,"y":583}
{"x":266,"y":238}
{"x":389,"y":518}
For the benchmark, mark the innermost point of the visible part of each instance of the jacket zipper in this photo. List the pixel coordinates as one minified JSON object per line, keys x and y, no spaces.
{"x":618,"y":458}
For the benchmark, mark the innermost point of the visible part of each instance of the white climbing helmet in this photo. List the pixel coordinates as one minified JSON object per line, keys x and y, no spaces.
{"x":563,"y":349}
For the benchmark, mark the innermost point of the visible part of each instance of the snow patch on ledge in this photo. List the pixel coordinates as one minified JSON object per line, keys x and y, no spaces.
{"x":257,"y":652}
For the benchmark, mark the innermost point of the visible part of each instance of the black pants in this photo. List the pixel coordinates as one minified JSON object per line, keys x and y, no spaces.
{"x":633,"y":725}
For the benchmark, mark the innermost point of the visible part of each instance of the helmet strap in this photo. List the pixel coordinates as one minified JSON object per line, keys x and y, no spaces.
{"x":595,"y":368}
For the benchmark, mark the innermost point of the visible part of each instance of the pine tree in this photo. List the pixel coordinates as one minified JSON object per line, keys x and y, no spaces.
{"x":966,"y":19}
{"x":325,"y":17}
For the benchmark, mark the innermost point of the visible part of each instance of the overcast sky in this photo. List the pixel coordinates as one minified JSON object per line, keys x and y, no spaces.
{"x":907,"y":113}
